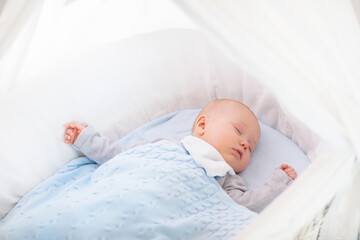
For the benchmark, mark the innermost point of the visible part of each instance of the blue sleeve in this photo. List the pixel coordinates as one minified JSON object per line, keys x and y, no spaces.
{"x":96,"y":147}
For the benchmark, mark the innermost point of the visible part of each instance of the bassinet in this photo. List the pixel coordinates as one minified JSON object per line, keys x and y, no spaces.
{"x":152,"y":74}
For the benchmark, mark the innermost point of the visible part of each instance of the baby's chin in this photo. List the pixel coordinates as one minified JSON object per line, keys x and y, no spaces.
{"x":236,"y":168}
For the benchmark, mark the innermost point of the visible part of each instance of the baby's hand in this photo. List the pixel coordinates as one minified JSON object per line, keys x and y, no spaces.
{"x":289,"y":171}
{"x":72,"y":132}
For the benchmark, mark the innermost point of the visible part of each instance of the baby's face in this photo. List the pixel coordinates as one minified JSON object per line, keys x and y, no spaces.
{"x":234,"y":133}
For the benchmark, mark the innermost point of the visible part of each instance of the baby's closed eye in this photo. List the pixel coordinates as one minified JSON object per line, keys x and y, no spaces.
{"x":237,"y":129}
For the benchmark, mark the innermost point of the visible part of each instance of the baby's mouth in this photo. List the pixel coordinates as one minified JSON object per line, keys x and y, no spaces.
{"x":238,"y":152}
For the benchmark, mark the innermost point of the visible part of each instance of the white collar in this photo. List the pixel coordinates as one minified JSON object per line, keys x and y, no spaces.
{"x":207,"y":156}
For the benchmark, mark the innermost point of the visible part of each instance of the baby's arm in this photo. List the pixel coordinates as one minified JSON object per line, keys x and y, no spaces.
{"x":91,"y":143}
{"x":257,"y":199}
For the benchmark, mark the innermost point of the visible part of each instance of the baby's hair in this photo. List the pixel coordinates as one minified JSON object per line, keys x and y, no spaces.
{"x":215,"y":107}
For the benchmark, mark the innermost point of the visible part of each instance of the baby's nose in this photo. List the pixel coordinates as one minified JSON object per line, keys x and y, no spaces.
{"x":244,"y":144}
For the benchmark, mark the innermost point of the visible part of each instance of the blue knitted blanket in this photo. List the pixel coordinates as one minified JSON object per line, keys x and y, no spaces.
{"x":154,"y":191}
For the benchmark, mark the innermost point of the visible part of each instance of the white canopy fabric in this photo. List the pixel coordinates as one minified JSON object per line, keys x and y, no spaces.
{"x":308,"y":53}
{"x":32,"y":32}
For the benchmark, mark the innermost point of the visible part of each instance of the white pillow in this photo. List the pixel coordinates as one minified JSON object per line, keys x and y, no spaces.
{"x":273,"y":149}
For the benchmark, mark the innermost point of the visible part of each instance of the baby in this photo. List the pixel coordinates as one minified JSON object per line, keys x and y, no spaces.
{"x":224,"y":135}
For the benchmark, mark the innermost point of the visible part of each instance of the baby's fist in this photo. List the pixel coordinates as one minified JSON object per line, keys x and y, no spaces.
{"x":72,"y":132}
{"x":289,"y":171}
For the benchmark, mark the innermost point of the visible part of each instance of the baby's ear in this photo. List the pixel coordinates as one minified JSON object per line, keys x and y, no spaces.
{"x":200,"y":125}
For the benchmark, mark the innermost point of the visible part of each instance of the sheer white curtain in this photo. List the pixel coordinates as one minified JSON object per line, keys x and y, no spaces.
{"x":18,"y":20}
{"x":38,"y":32}
{"x":308,"y":53}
